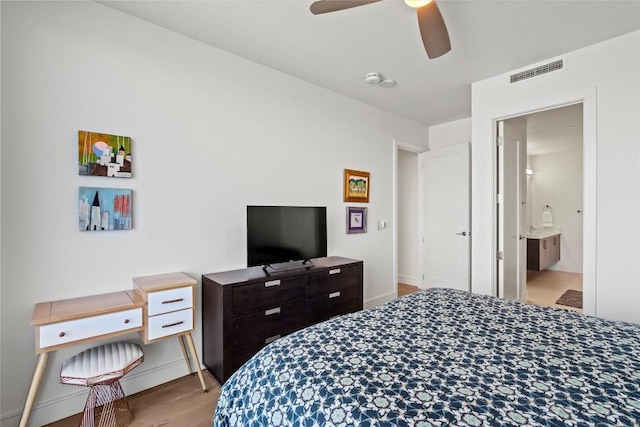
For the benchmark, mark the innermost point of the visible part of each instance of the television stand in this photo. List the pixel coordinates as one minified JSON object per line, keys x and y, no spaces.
{"x":287,"y":266}
{"x":244,"y":310}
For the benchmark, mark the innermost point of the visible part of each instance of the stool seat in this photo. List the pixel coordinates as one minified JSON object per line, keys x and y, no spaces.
{"x":100,"y":364}
{"x":100,"y":368}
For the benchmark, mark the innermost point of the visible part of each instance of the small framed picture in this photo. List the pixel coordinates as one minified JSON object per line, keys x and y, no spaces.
{"x":102,"y":154}
{"x":356,"y":186}
{"x":356,"y":220}
{"x":104,"y":209}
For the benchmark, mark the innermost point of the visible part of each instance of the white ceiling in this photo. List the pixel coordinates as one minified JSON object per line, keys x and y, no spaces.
{"x":336,"y":50}
{"x":554,"y":130}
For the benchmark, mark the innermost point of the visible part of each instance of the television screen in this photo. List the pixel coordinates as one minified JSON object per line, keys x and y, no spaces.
{"x":277,"y":234}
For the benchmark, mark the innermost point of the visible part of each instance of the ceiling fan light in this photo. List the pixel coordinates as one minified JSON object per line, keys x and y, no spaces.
{"x":417,"y":3}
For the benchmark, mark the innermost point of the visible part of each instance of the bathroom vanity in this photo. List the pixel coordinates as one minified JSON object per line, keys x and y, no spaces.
{"x":543,"y":248}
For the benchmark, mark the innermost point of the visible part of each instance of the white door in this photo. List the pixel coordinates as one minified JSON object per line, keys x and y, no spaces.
{"x":511,"y":244}
{"x":522,"y":224}
{"x":447,"y":239}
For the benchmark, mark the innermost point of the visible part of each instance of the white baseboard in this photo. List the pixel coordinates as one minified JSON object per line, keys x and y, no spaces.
{"x":409,"y":280}
{"x":565,"y":267}
{"x":379,"y":300}
{"x":73,"y":402}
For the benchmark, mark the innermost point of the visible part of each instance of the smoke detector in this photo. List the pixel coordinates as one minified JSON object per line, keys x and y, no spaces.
{"x":376,"y":79}
{"x":373,"y":78}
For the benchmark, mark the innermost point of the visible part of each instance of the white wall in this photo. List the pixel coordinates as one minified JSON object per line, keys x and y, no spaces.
{"x":212,"y":133}
{"x":407,"y":221}
{"x":557,"y":182}
{"x":606,"y":76}
{"x":450,"y":133}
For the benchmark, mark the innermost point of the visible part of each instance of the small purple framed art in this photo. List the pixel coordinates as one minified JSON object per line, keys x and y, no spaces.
{"x":356,"y":220}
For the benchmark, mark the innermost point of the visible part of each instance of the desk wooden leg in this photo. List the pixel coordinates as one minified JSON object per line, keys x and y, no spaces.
{"x":184,"y":353}
{"x":38,"y":373}
{"x":192,"y":347}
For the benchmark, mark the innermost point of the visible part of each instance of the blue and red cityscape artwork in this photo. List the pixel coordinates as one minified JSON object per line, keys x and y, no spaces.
{"x":104,"y":209}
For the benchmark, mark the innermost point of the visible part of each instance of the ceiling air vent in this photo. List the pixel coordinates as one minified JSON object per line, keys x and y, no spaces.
{"x":537,"y":71}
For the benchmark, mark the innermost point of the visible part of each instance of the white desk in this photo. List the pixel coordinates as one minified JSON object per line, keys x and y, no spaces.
{"x":159,"y":307}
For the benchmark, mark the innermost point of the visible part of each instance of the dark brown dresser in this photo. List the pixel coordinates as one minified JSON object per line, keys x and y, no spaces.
{"x":244,"y":310}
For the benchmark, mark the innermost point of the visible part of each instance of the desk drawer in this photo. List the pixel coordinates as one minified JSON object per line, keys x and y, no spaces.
{"x":170,"y":300}
{"x":168,"y":324}
{"x":89,"y":327}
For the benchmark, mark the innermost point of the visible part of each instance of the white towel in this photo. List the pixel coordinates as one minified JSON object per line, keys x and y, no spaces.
{"x":547,"y":219}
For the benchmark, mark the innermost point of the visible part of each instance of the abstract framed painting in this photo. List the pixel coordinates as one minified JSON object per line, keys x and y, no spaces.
{"x":356,"y":186}
{"x":356,"y":220}
{"x":104,"y":209}
{"x":101,"y":154}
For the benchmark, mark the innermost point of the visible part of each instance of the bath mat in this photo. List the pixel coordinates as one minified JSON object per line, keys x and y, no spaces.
{"x":571,"y":298}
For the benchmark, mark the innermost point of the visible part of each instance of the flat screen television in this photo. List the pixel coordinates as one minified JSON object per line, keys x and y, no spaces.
{"x":281,"y":234}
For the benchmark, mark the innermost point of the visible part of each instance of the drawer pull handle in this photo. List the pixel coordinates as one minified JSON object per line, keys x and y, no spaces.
{"x":126,"y":321}
{"x":272,"y":311}
{"x":171,"y":301}
{"x":334,"y":295}
{"x":271,"y":339}
{"x":61,"y":334}
{"x":173,"y":324}
{"x":271,"y":283}
{"x":334,"y":271}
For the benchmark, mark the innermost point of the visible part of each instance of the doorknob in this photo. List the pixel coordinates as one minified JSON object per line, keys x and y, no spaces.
{"x":464,"y":233}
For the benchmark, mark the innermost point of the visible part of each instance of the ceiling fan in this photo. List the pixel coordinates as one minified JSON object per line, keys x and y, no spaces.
{"x":432,"y":27}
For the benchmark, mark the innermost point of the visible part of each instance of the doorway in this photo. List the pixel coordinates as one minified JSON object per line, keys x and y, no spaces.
{"x":408,"y":278}
{"x":406,"y":227}
{"x":443,"y":238}
{"x":540,"y":225}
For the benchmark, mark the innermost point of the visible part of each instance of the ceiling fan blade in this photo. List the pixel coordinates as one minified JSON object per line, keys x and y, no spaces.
{"x":324,"y":6}
{"x":433,"y":30}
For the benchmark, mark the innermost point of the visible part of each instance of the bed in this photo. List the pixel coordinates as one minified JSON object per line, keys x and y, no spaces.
{"x":442,"y":357}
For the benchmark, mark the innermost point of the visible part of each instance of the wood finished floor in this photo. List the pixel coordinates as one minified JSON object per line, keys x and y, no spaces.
{"x":178,"y":403}
{"x":545,"y":287}
{"x":404,"y":289}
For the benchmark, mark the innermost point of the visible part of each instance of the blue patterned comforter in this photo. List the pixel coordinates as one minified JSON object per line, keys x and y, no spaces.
{"x":441,"y":357}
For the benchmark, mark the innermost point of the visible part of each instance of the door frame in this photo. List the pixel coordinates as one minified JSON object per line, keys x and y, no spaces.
{"x":502,"y":143}
{"x":399,"y":144}
{"x":589,"y":230}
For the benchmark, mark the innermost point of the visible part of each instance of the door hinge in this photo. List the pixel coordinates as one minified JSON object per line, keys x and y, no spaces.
{"x":499,"y":255}
{"x":499,"y":198}
{"x":500,"y":141}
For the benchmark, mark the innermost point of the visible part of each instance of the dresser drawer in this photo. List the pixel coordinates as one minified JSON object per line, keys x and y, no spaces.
{"x":168,"y":324}
{"x":268,"y":324}
{"x":89,"y":327}
{"x":334,"y":304}
{"x":242,"y":354}
{"x":170,"y":300}
{"x":262,"y":296}
{"x":333,"y":280}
